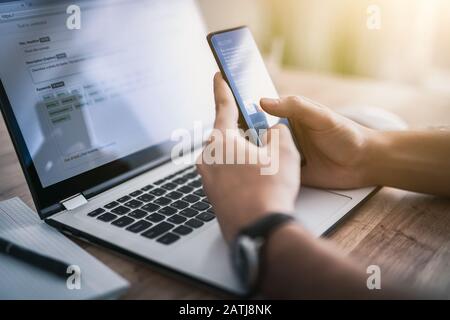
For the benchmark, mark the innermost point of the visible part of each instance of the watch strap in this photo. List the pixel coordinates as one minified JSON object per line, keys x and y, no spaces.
{"x":266,"y":225}
{"x":260,"y":231}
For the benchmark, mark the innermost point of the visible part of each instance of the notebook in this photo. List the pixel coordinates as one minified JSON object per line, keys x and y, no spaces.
{"x":88,"y":279}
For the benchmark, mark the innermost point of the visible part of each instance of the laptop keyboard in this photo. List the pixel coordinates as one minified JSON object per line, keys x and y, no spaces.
{"x":164,"y":211}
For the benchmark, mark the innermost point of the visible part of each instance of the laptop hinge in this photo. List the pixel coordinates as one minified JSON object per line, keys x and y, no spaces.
{"x":74,"y":202}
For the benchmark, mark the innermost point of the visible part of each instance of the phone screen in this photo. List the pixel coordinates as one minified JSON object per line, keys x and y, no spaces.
{"x":243,"y":67}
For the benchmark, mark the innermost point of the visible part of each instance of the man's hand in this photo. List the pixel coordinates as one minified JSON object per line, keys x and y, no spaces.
{"x":335,"y":148}
{"x":239,"y":193}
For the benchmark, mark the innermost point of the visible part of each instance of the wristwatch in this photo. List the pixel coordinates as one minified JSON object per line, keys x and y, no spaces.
{"x":248,"y":248}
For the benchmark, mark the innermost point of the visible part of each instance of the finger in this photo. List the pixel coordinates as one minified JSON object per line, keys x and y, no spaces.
{"x":226,"y":109}
{"x":279,"y":134}
{"x":265,"y":137}
{"x":280,"y":141}
{"x":302,"y":110}
{"x":241,"y":122}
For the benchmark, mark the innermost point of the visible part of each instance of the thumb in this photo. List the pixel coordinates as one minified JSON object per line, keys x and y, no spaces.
{"x":301,"y":110}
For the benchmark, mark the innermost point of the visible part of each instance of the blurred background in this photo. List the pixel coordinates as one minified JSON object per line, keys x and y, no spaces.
{"x":395,"y":40}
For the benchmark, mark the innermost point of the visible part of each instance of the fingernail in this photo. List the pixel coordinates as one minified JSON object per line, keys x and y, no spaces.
{"x":270,"y":102}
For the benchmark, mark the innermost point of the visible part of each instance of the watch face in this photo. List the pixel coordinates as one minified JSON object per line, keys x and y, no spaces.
{"x":239,"y":261}
{"x":245,"y":260}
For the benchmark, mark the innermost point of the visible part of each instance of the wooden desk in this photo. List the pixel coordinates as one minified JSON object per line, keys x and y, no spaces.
{"x":406,"y":234}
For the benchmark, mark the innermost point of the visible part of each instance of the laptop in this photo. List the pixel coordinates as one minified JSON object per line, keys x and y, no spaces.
{"x":92,"y":112}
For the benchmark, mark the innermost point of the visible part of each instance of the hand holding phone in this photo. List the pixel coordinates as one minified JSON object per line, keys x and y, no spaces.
{"x":243,"y":68}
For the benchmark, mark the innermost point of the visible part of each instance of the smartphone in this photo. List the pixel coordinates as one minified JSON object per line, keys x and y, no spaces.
{"x":243,"y":68}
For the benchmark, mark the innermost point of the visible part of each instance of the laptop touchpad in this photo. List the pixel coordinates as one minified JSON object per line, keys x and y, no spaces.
{"x":318,"y":210}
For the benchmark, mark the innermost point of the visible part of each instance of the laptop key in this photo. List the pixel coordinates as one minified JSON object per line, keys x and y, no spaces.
{"x":174,"y":195}
{"x":147,"y":188}
{"x":96,"y":212}
{"x":146,"y":197}
{"x":195,"y":183}
{"x":177,"y":219}
{"x":157,"y":230}
{"x":150,"y":207}
{"x":158,"y":192}
{"x":163,"y":201}
{"x":194,"y":223}
{"x":139,"y":226}
{"x":107,"y":217}
{"x":137,"y":214}
{"x":134,"y":204}
{"x":180,"y":204}
{"x":168,"y":238}
{"x":136,"y":193}
{"x":182,"y":230}
{"x":180,"y":181}
{"x":185,"y":189}
{"x":111,"y":205}
{"x":170,"y":186}
{"x":167,"y":211}
{"x":124,"y":199}
{"x":199,"y":192}
{"x":120,"y":210}
{"x":160,"y":182}
{"x":155,"y":217}
{"x":189,"y":212}
{"x":200,"y":206}
{"x":191,"y":198}
{"x":191,"y":175}
{"x":122,"y":222}
{"x":205,"y":216}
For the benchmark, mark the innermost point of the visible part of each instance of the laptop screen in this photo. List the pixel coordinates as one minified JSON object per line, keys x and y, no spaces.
{"x":118,"y":78}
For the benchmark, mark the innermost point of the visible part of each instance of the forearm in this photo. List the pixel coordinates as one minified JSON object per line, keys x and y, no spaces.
{"x":298,"y":266}
{"x":416,"y":161}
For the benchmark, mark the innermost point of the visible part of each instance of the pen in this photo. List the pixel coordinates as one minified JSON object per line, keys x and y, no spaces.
{"x":36,"y":259}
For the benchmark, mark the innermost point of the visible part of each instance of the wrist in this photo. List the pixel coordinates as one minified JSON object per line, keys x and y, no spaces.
{"x":250,"y":217}
{"x":262,"y":209}
{"x":238,"y":212}
{"x":257,"y":205}
{"x":375,"y":157}
{"x":280,"y":245}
